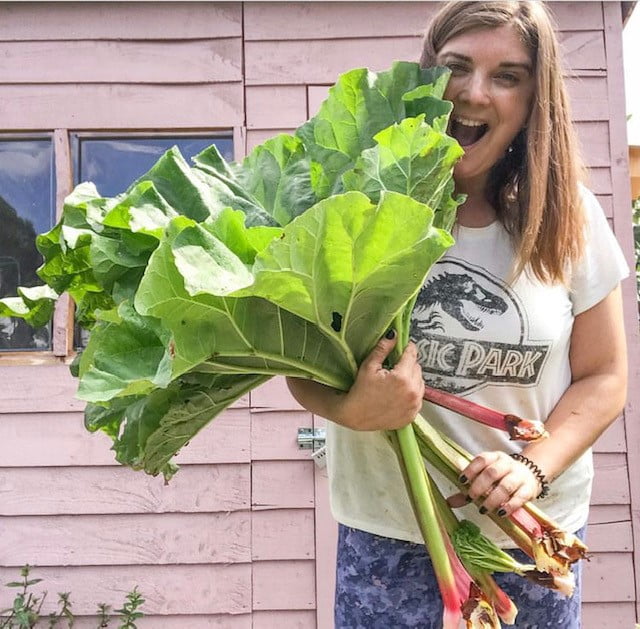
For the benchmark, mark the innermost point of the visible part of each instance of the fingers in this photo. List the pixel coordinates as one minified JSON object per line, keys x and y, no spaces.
{"x":377,"y":356}
{"x":496,"y":482}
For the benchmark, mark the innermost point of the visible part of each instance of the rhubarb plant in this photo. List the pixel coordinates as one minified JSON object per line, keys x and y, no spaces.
{"x":200,"y":282}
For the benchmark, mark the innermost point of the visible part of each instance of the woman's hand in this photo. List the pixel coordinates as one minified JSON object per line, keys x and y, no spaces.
{"x":380,"y":398}
{"x":501,"y":483}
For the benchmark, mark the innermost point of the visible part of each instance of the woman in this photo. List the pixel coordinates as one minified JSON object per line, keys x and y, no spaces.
{"x":522,"y":314}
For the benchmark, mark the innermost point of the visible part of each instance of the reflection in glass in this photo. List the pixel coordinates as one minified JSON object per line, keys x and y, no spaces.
{"x":113,"y":163}
{"x":26,"y":209}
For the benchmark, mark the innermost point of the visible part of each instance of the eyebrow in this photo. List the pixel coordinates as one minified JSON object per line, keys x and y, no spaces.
{"x":505,"y":64}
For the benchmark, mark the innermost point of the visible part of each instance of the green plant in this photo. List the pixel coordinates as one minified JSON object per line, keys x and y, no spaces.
{"x":24,"y":612}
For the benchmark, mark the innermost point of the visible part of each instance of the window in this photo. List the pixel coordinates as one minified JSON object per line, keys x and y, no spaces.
{"x":112,"y":163}
{"x":27,"y":201}
{"x":27,"y":208}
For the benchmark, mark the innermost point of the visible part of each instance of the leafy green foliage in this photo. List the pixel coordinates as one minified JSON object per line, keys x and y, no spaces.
{"x":25,"y":611}
{"x":199,"y":283}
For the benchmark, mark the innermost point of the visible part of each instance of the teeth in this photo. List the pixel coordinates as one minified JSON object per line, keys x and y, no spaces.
{"x":469,"y":123}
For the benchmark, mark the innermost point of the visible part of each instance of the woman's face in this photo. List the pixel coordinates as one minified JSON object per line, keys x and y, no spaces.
{"x":491,"y":86}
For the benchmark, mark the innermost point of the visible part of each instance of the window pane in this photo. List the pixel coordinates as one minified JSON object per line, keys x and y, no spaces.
{"x":26,"y":209}
{"x":113,"y":164}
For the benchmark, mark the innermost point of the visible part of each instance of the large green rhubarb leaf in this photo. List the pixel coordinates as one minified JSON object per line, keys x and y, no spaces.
{"x":413,"y":158}
{"x":360,"y":105}
{"x":349,"y":266}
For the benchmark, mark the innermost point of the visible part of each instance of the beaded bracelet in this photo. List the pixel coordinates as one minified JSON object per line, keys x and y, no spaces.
{"x":537,"y":472}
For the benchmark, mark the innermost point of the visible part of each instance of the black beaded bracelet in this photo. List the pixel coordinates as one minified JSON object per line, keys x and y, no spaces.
{"x":537,"y":472}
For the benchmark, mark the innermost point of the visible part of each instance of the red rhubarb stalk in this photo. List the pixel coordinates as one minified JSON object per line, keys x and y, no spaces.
{"x":519,"y":429}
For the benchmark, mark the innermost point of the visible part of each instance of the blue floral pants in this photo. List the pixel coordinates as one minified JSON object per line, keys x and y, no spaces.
{"x":385,"y":583}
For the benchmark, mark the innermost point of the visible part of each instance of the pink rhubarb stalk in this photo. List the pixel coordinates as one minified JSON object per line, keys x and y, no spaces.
{"x":419,"y":486}
{"x":552,"y":549}
{"x":519,"y":429}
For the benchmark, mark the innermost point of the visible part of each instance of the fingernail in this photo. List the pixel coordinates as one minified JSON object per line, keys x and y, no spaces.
{"x":463,"y":479}
{"x":482,"y":510}
{"x":390,"y":334}
{"x":502,"y":512}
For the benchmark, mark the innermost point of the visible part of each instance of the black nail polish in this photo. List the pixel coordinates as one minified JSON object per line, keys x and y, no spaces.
{"x":502,"y":513}
{"x":390,"y":334}
{"x":482,"y":510}
{"x":463,"y":479}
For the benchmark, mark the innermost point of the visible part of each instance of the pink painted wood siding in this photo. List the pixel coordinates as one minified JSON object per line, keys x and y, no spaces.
{"x":242,"y":536}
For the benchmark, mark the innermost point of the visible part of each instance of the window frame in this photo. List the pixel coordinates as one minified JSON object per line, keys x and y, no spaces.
{"x":63,"y":323}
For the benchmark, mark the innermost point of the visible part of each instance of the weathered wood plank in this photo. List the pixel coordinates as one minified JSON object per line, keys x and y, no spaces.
{"x":609,"y":615}
{"x":326,"y":544}
{"x":602,"y":514}
{"x":202,"y":107}
{"x":613,"y":440}
{"x":273,"y":395}
{"x":55,"y":389}
{"x":282,"y":484}
{"x":295,"y":585}
{"x":101,"y":490}
{"x":599,"y":181}
{"x":319,"y":61}
{"x":340,"y":20}
{"x":282,"y":534}
{"x":316,"y":94}
{"x":274,"y":435}
{"x":610,"y":537}
{"x":122,"y":61}
{"x":589,"y":97}
{"x":608,"y":577}
{"x":622,"y":203}
{"x":218,"y":621}
{"x":170,"y":590}
{"x":611,"y":482}
{"x":258,"y":136}
{"x":334,"y":20}
{"x":276,"y":107}
{"x":594,"y":142}
{"x":583,"y":50}
{"x":131,"y":539}
{"x":102,"y":20}
{"x":60,"y":439}
{"x":575,"y":16}
{"x":285,"y":620}
{"x":606,"y":201}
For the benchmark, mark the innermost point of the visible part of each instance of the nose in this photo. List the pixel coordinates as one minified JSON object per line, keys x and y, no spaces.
{"x":476,"y":89}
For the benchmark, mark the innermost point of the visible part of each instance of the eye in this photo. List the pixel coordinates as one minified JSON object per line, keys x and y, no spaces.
{"x":456,"y":68}
{"x":508,"y":78}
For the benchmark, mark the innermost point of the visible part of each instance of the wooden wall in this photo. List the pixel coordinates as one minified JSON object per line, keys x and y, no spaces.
{"x":231,"y":542}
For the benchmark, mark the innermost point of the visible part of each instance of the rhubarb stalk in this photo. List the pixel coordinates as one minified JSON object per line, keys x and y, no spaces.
{"x":519,"y":429}
{"x":552,"y":549}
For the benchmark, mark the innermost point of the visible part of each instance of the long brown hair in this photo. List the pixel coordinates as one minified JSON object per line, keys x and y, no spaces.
{"x":535,"y":187}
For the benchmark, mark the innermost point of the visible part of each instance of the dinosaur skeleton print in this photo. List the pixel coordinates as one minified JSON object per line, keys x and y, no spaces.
{"x":459,"y":313}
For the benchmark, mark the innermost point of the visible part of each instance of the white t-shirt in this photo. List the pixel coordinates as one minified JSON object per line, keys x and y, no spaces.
{"x":503,"y":346}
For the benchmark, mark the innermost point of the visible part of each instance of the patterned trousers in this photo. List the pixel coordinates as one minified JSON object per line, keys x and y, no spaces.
{"x":385,"y":583}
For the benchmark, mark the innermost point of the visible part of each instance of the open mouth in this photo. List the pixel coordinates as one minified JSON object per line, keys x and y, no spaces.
{"x":467,"y":132}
